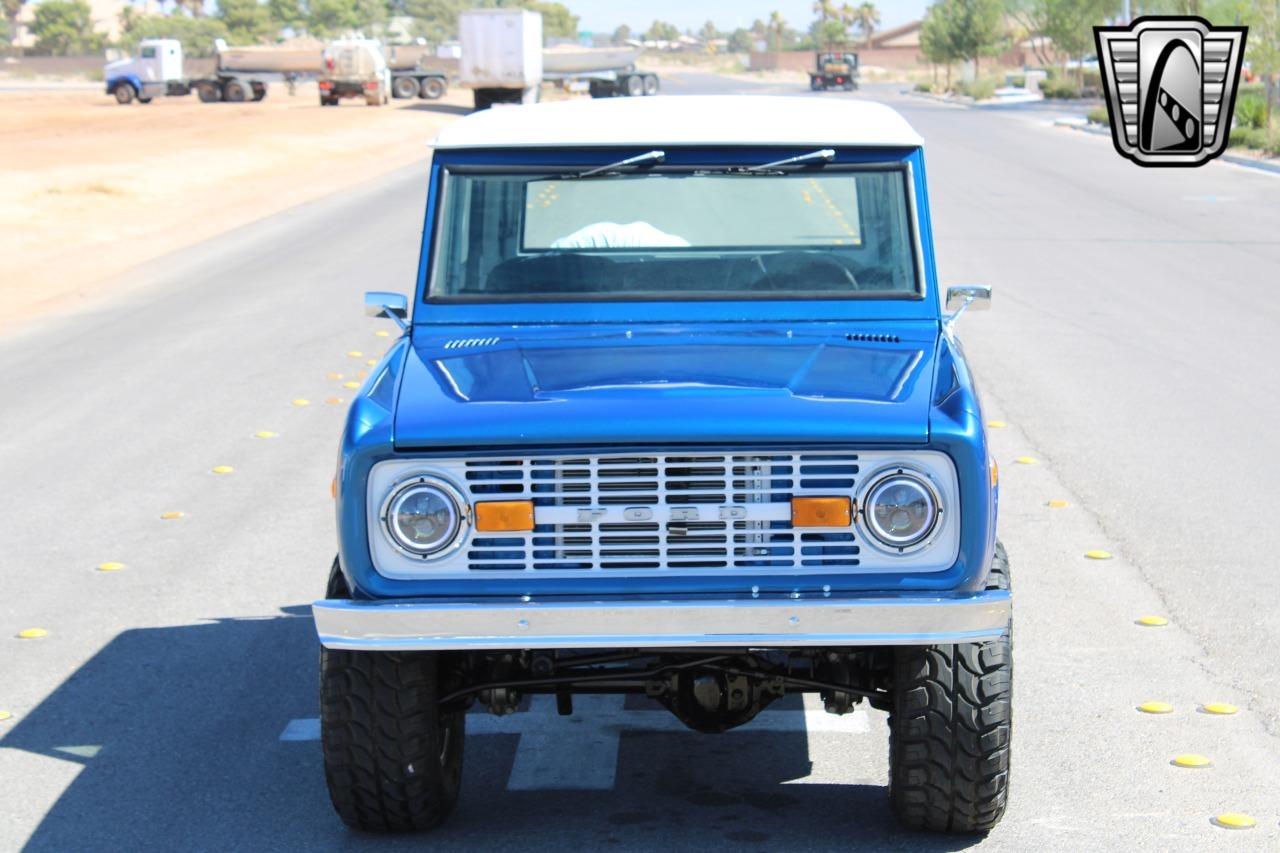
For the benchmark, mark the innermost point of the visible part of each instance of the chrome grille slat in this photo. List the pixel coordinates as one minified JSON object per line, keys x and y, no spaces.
{"x":659,"y":484}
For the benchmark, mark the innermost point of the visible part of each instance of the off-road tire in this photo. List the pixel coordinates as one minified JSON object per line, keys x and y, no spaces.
{"x":635,"y":86}
{"x":950,"y":730}
{"x":209,"y":94}
{"x":392,"y":758}
{"x":233,"y":93}
{"x":124,"y":92}
{"x":651,"y":85}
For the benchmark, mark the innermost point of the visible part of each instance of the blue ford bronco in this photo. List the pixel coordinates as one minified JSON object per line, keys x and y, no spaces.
{"x":678,"y":411}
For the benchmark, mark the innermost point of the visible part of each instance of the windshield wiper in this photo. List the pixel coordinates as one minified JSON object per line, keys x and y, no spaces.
{"x":824,"y":155}
{"x":649,"y":158}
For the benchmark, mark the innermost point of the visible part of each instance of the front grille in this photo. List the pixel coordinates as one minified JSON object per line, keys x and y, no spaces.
{"x":677,"y":511}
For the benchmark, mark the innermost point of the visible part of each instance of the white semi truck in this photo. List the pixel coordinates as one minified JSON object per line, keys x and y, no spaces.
{"x":241,"y":73}
{"x":504,"y":63}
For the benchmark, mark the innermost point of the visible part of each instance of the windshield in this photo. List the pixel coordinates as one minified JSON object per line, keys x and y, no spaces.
{"x":675,"y":235}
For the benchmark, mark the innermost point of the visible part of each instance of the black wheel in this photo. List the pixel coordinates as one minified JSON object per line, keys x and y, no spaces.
{"x":848,"y":85}
{"x":259,"y":91}
{"x":635,"y":86}
{"x":950,"y":731}
{"x":815,"y":84}
{"x":483,"y":99}
{"x":404,"y":87}
{"x":596,"y":89}
{"x":432,"y":88}
{"x":650,"y":84}
{"x":125,"y":93}
{"x":143,"y":100}
{"x":392,"y":757}
{"x":328,"y":100}
{"x":209,"y":94}
{"x":233,"y":92}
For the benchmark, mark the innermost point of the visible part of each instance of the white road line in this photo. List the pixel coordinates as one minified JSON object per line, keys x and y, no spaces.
{"x":580,"y":752}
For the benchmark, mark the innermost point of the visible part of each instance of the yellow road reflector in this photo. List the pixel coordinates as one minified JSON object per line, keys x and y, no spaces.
{"x":355,"y":353}
{"x":334,"y":401}
{"x":1220,"y":708}
{"x":1025,"y":460}
{"x":1098,"y":555}
{"x":1234,"y":820}
{"x":333,"y":488}
{"x":1057,"y":504}
{"x":1156,"y":708}
{"x":383,"y":333}
{"x":334,"y":376}
{"x":302,"y":401}
{"x":1153,"y":621}
{"x":504,"y":515}
{"x":266,"y":433}
{"x":32,"y":633}
{"x":172,"y":515}
{"x":5,"y":715}
{"x":995,"y":474}
{"x":997,"y":424}
{"x":371,"y":362}
{"x":1191,"y":759}
{"x":821,"y":512}
{"x":362,"y":374}
{"x":109,"y":567}
{"x":350,"y":384}
{"x":222,"y":469}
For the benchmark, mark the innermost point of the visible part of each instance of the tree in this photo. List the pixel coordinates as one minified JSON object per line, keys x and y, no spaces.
{"x":935,"y":41}
{"x":247,"y":21}
{"x":12,"y":8}
{"x":1263,"y":46}
{"x":196,"y":34}
{"x":709,"y":32}
{"x":557,"y":20}
{"x":622,"y":34}
{"x":64,"y":27}
{"x":825,"y":10}
{"x":662,"y":31}
{"x":287,"y":14}
{"x":740,"y":41}
{"x":973,"y":28}
{"x":1069,"y":24}
{"x":329,"y":18}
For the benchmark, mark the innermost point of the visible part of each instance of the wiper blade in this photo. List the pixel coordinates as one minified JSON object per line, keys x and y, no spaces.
{"x":824,"y":155}
{"x":649,"y":158}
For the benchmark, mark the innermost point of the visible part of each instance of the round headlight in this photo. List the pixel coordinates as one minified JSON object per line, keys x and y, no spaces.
{"x":901,"y":510}
{"x":422,"y":518}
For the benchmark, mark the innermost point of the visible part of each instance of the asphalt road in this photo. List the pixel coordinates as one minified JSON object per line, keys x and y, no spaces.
{"x":1129,"y":351}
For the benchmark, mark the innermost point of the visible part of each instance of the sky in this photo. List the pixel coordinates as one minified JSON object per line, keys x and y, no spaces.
{"x":606,"y":15}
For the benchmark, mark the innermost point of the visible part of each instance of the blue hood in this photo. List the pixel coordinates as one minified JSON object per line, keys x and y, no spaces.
{"x":563,"y":385}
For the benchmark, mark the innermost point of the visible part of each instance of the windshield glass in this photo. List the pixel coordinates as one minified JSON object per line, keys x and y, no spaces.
{"x":672,"y":235}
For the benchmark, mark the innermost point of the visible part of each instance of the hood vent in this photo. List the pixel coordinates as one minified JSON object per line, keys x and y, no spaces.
{"x":467,"y":343}
{"x":866,"y":337}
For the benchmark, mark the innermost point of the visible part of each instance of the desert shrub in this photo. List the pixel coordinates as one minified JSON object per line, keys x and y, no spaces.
{"x":1060,"y":87}
{"x":1099,"y":115}
{"x":979,"y":90}
{"x":1249,"y":137}
{"x":1251,"y":110}
{"x":924,"y":87}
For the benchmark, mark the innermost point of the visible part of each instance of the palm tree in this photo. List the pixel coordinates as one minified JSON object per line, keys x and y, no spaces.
{"x":865,"y":19}
{"x":824,"y":9}
{"x":777,"y":27}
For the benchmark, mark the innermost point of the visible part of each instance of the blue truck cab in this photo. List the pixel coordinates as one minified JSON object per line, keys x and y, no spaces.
{"x":678,"y":410}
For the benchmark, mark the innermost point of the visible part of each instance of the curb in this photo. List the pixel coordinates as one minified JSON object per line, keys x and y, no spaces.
{"x":1272,"y":166}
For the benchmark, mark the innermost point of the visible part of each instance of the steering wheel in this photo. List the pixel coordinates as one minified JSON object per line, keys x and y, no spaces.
{"x":804,"y":265}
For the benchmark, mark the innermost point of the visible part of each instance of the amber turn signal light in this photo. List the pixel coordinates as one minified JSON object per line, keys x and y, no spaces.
{"x":504,"y":515}
{"x":821,"y":512}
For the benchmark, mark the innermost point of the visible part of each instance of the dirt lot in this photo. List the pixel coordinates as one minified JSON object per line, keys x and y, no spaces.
{"x":92,"y":188}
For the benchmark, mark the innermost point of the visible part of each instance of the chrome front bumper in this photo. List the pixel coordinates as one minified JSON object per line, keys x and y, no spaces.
{"x":884,"y":620}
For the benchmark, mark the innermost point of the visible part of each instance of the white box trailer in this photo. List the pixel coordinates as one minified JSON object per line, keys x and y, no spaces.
{"x":501,"y":55}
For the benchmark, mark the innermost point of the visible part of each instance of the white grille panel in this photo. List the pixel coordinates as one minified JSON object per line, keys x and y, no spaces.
{"x":688,"y":512}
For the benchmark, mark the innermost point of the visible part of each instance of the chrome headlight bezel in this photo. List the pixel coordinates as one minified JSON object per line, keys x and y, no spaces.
{"x":876,"y":537}
{"x":461,"y":513}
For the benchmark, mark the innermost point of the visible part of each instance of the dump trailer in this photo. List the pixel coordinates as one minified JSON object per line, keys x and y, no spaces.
{"x":604,"y":72}
{"x":501,"y":55}
{"x":241,"y":72}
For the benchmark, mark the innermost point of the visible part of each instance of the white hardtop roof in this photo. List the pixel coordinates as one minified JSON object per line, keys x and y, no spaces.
{"x":719,"y":120}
